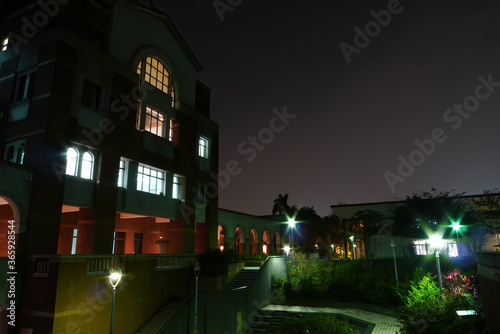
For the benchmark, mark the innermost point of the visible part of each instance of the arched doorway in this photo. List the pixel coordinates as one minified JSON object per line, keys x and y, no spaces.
{"x":277,"y":242}
{"x":239,"y":240}
{"x":9,"y":225}
{"x":266,"y":243}
{"x":254,"y":241}
{"x":221,"y":232}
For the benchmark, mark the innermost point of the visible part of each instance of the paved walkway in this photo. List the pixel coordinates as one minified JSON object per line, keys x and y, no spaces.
{"x":384,"y":324}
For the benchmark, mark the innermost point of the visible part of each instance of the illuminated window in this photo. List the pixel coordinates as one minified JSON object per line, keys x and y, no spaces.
{"x":87,"y":166}
{"x":75,"y":238}
{"x":155,"y":122}
{"x":122,"y":174}
{"x":20,"y":154}
{"x":175,"y":187}
{"x":72,"y":162}
{"x":5,"y":43}
{"x":452,"y":250}
{"x":150,"y":180}
{"x":173,"y":132}
{"x":203,"y":147}
{"x":420,"y":247}
{"x":178,"y":187}
{"x":154,"y":72}
{"x":83,"y":168}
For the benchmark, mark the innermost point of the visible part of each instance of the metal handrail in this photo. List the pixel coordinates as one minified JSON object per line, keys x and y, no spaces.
{"x":176,"y":310}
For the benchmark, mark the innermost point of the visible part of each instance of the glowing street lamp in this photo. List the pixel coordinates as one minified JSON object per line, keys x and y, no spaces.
{"x":456,"y":227}
{"x":291,"y":224}
{"x":115,"y":275}
{"x":287,"y":249}
{"x":393,"y":245}
{"x":197,"y":269}
{"x":353,"y":247}
{"x":437,"y":242}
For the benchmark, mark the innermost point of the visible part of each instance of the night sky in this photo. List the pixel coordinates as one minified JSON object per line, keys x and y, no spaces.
{"x":349,"y":124}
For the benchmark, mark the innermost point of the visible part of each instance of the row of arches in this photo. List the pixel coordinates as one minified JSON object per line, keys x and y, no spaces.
{"x":250,"y":243}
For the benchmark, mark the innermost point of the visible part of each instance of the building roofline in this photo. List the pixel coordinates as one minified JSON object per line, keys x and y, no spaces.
{"x":404,"y":200}
{"x":151,"y":9}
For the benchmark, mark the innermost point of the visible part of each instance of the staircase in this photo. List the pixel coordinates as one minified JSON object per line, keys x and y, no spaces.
{"x":268,"y":321}
{"x":243,"y":278}
{"x":159,"y":318}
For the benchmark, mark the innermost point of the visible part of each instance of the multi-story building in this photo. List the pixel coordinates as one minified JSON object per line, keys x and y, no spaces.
{"x":107,"y":148}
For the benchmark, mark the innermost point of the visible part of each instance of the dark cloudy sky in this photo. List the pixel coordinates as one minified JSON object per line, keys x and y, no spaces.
{"x":353,"y":120}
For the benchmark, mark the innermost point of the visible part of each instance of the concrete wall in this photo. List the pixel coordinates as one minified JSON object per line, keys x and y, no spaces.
{"x":232,"y":312}
{"x":488,"y":267}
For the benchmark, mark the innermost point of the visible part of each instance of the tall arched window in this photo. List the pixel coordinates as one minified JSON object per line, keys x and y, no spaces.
{"x":153,"y":71}
{"x":20,"y":154}
{"x":87,"y":166}
{"x":72,"y":161}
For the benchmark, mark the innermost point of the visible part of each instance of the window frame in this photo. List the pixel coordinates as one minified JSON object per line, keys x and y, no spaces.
{"x":160,"y":118}
{"x":76,"y":158}
{"x":84,"y":168}
{"x":88,"y":99}
{"x":147,"y":187}
{"x":122,"y":173}
{"x":5,"y":43}
{"x":80,"y":167}
{"x":203,"y":147}
{"x":25,"y":86}
{"x":149,"y":69}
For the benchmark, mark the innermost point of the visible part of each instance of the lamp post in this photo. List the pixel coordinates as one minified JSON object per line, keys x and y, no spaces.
{"x":456,"y":227}
{"x":287,"y":249}
{"x":197,"y":269}
{"x":437,"y":242}
{"x":291,"y":224}
{"x":115,"y":275}
{"x":393,"y":245}
{"x":353,"y":248}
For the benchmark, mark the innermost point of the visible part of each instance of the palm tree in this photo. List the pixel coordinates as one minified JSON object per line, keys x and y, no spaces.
{"x":281,"y":206}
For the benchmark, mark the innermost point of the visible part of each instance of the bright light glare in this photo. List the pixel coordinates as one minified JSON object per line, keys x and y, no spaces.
{"x":286,"y":249}
{"x":115,"y":276}
{"x":436,"y":241}
{"x":466,"y":312}
{"x":291,"y":222}
{"x":456,"y":226}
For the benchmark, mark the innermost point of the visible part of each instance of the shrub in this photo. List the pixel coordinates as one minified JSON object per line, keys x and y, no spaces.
{"x":277,"y":289}
{"x":316,"y":324}
{"x":427,"y":310}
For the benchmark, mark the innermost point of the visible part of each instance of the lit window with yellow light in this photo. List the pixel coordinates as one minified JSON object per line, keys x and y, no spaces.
{"x":153,"y":71}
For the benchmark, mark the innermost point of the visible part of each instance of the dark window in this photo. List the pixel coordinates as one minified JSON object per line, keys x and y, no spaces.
{"x":137,"y":243}
{"x":10,"y":153}
{"x":25,"y":86}
{"x":119,"y":243}
{"x":90,"y":95}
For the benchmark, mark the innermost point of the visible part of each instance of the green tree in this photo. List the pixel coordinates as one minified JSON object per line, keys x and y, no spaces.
{"x":371,"y":223}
